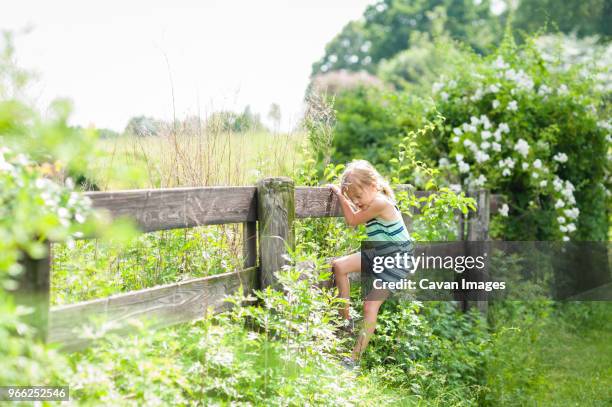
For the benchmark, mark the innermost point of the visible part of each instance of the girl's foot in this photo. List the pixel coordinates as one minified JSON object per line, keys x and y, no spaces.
{"x":349,"y":363}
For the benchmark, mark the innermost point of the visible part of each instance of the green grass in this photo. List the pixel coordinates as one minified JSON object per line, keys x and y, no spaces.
{"x":563,"y":358}
{"x":189,"y":160}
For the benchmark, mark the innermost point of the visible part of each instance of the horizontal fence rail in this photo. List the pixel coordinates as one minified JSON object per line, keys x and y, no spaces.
{"x":266,"y":211}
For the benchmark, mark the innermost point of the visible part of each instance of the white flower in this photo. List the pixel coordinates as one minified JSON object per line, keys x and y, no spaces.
{"x":485,"y":121}
{"x":485,"y":145}
{"x":485,"y":134}
{"x":481,"y":156}
{"x":560,"y":157}
{"x":525,"y":165}
{"x":459,"y":158}
{"x":571,"y":227}
{"x":522,"y":147}
{"x":544,"y":90}
{"x":464,"y":167}
{"x":559,"y":204}
{"x":506,"y":172}
{"x":571,"y":213}
{"x":79,"y":217}
{"x":457,"y":131}
{"x":495,"y":104}
{"x":477,"y":95}
{"x":503,"y":127}
{"x":563,"y":228}
{"x":436,"y":87}
{"x":480,"y":181}
{"x":493,"y":88}
{"x":499,"y":63}
{"x":475,"y":120}
{"x":452,"y":84}
{"x":535,"y":175}
{"x":496,"y":146}
{"x":63,"y":212}
{"x":444,"y":96}
{"x":455,"y":139}
{"x":455,"y":187}
{"x":543,"y":183}
{"x":560,"y":219}
{"x":443,"y":162}
{"x":503,"y":211}
{"x":513,"y":106}
{"x":565,"y":238}
{"x":563,"y":89}
{"x":468,"y":143}
{"x":537,"y":164}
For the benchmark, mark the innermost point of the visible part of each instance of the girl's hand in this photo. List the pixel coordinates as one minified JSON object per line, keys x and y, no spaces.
{"x":334,"y":189}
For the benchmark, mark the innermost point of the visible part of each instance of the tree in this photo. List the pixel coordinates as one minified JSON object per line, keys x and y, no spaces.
{"x":275,"y":115}
{"x":387,"y":27}
{"x":142,"y":126}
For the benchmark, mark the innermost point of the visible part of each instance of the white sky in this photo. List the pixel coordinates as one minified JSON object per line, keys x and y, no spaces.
{"x":108,"y":56}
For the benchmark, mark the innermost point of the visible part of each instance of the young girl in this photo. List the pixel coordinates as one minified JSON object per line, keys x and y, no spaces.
{"x":375,"y":206}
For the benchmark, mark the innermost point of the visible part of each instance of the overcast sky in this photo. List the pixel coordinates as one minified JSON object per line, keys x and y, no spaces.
{"x":109,"y":56}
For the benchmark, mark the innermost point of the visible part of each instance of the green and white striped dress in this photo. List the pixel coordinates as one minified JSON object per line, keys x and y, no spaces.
{"x":386,"y":238}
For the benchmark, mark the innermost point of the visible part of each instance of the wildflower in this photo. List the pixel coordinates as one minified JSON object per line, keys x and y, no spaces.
{"x":559,"y":204}
{"x":525,"y":165}
{"x":485,"y":145}
{"x":565,"y":238}
{"x":543,"y":183}
{"x":496,"y":146}
{"x":522,"y":147}
{"x":571,"y":227}
{"x":485,"y":134}
{"x":459,"y":157}
{"x":537,"y":164}
{"x":464,"y":167}
{"x":495,"y":104}
{"x":513,"y":106}
{"x":560,"y":157}
{"x":560,"y":219}
{"x":457,"y":131}
{"x":481,"y":156}
{"x":503,"y":211}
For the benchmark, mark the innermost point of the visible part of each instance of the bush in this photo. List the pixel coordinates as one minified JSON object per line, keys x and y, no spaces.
{"x":518,"y":127}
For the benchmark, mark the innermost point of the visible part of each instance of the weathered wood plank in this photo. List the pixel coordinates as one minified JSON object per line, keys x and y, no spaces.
{"x":164,"y":305}
{"x":160,"y":209}
{"x":319,"y":202}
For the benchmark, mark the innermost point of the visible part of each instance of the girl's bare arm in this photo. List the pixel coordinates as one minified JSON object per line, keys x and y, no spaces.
{"x":354,"y":218}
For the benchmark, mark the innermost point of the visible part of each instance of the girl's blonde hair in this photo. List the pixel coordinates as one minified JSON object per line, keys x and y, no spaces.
{"x":361,"y":173}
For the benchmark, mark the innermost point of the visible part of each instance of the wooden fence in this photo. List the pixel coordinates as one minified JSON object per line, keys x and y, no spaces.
{"x":267,"y":212}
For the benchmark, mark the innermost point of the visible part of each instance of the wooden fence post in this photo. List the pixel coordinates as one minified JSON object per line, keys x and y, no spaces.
{"x":478,"y":231}
{"x":275,"y":212}
{"x":33,"y":291}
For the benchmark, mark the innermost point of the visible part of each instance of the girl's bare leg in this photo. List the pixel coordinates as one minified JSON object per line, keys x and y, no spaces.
{"x":370,"y":314}
{"x":341,"y":267}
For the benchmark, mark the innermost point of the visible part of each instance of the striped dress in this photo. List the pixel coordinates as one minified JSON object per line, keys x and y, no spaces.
{"x":386,"y":238}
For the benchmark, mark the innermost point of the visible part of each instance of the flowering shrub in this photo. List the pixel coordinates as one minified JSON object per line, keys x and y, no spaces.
{"x":519,"y":127}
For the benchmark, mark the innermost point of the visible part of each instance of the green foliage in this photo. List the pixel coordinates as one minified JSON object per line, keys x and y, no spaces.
{"x":90,"y":269}
{"x":370,"y":121}
{"x":583,"y":17}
